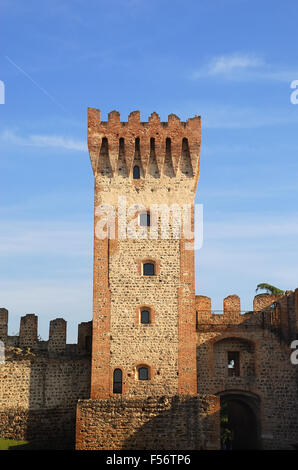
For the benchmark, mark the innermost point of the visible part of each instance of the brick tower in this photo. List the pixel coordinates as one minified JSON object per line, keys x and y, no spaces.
{"x":144,"y":331}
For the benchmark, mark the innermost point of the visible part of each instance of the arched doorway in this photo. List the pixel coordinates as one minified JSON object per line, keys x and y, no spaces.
{"x":239,"y":413}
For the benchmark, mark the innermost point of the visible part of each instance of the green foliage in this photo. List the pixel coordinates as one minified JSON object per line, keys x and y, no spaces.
{"x":226,"y":434}
{"x":269,"y":289}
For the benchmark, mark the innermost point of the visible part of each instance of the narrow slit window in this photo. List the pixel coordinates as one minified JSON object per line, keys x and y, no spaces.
{"x":145,"y":316}
{"x":233,"y":364}
{"x":117,"y":381}
{"x":143,"y":373}
{"x":148,"y":269}
{"x":136,"y":172}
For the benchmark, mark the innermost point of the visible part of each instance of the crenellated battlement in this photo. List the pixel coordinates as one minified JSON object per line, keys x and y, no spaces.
{"x":161,"y":149}
{"x":231,"y":308}
{"x":94,"y":121}
{"x":278,"y":313}
{"x":56,"y":344}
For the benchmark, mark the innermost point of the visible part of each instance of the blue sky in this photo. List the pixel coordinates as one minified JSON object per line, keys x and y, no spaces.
{"x":230,"y":61}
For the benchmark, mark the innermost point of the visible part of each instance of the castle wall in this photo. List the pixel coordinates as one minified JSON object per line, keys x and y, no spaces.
{"x":266,"y":373}
{"x":44,"y":429}
{"x":246,"y":352}
{"x":40,"y":386}
{"x":171,"y":423}
{"x":41,"y":382}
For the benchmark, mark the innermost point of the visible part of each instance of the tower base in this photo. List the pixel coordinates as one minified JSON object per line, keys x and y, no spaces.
{"x":169,"y":423}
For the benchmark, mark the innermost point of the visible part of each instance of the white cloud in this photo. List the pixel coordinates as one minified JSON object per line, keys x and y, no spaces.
{"x":227,"y":64}
{"x":43,"y":141}
{"x":243,"y":67}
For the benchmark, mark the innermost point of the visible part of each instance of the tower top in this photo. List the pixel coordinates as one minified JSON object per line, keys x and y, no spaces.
{"x":173,"y":146}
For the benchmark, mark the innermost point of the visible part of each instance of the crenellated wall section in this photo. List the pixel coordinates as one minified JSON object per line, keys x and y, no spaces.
{"x":41,"y":382}
{"x":265,"y":380}
{"x":162,"y":149}
{"x":277,"y":314}
{"x":28,"y":335}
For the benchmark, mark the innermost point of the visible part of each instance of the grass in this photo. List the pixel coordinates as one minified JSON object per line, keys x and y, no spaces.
{"x":7,"y":444}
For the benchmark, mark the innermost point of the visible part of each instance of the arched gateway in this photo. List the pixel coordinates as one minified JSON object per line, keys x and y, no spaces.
{"x":240,"y":420}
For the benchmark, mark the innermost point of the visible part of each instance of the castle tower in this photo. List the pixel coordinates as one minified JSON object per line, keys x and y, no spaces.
{"x":143,"y":374}
{"x":143,"y":324}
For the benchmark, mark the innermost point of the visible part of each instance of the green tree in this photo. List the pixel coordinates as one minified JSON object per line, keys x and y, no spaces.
{"x":269,"y":289}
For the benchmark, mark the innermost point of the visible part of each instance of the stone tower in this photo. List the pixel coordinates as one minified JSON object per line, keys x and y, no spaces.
{"x":143,"y":163}
{"x":144,"y":322}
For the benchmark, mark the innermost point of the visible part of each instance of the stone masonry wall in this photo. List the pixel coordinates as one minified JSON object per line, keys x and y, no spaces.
{"x":38,"y":397}
{"x":267,"y":376}
{"x":246,"y":354}
{"x":154,"y":344}
{"x":40,"y":386}
{"x":171,"y":423}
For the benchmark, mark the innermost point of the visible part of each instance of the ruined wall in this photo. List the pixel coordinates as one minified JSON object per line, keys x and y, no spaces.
{"x":171,"y":423}
{"x":266,"y":373}
{"x":41,"y":382}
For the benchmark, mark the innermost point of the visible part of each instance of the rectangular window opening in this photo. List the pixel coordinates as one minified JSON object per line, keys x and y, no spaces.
{"x":145,"y":316}
{"x":148,"y":269}
{"x":233,"y":363}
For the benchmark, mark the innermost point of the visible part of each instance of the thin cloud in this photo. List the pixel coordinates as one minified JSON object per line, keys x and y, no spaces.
{"x":43,"y":90}
{"x":227,"y":64}
{"x":243,"y":67}
{"x":36,"y":140}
